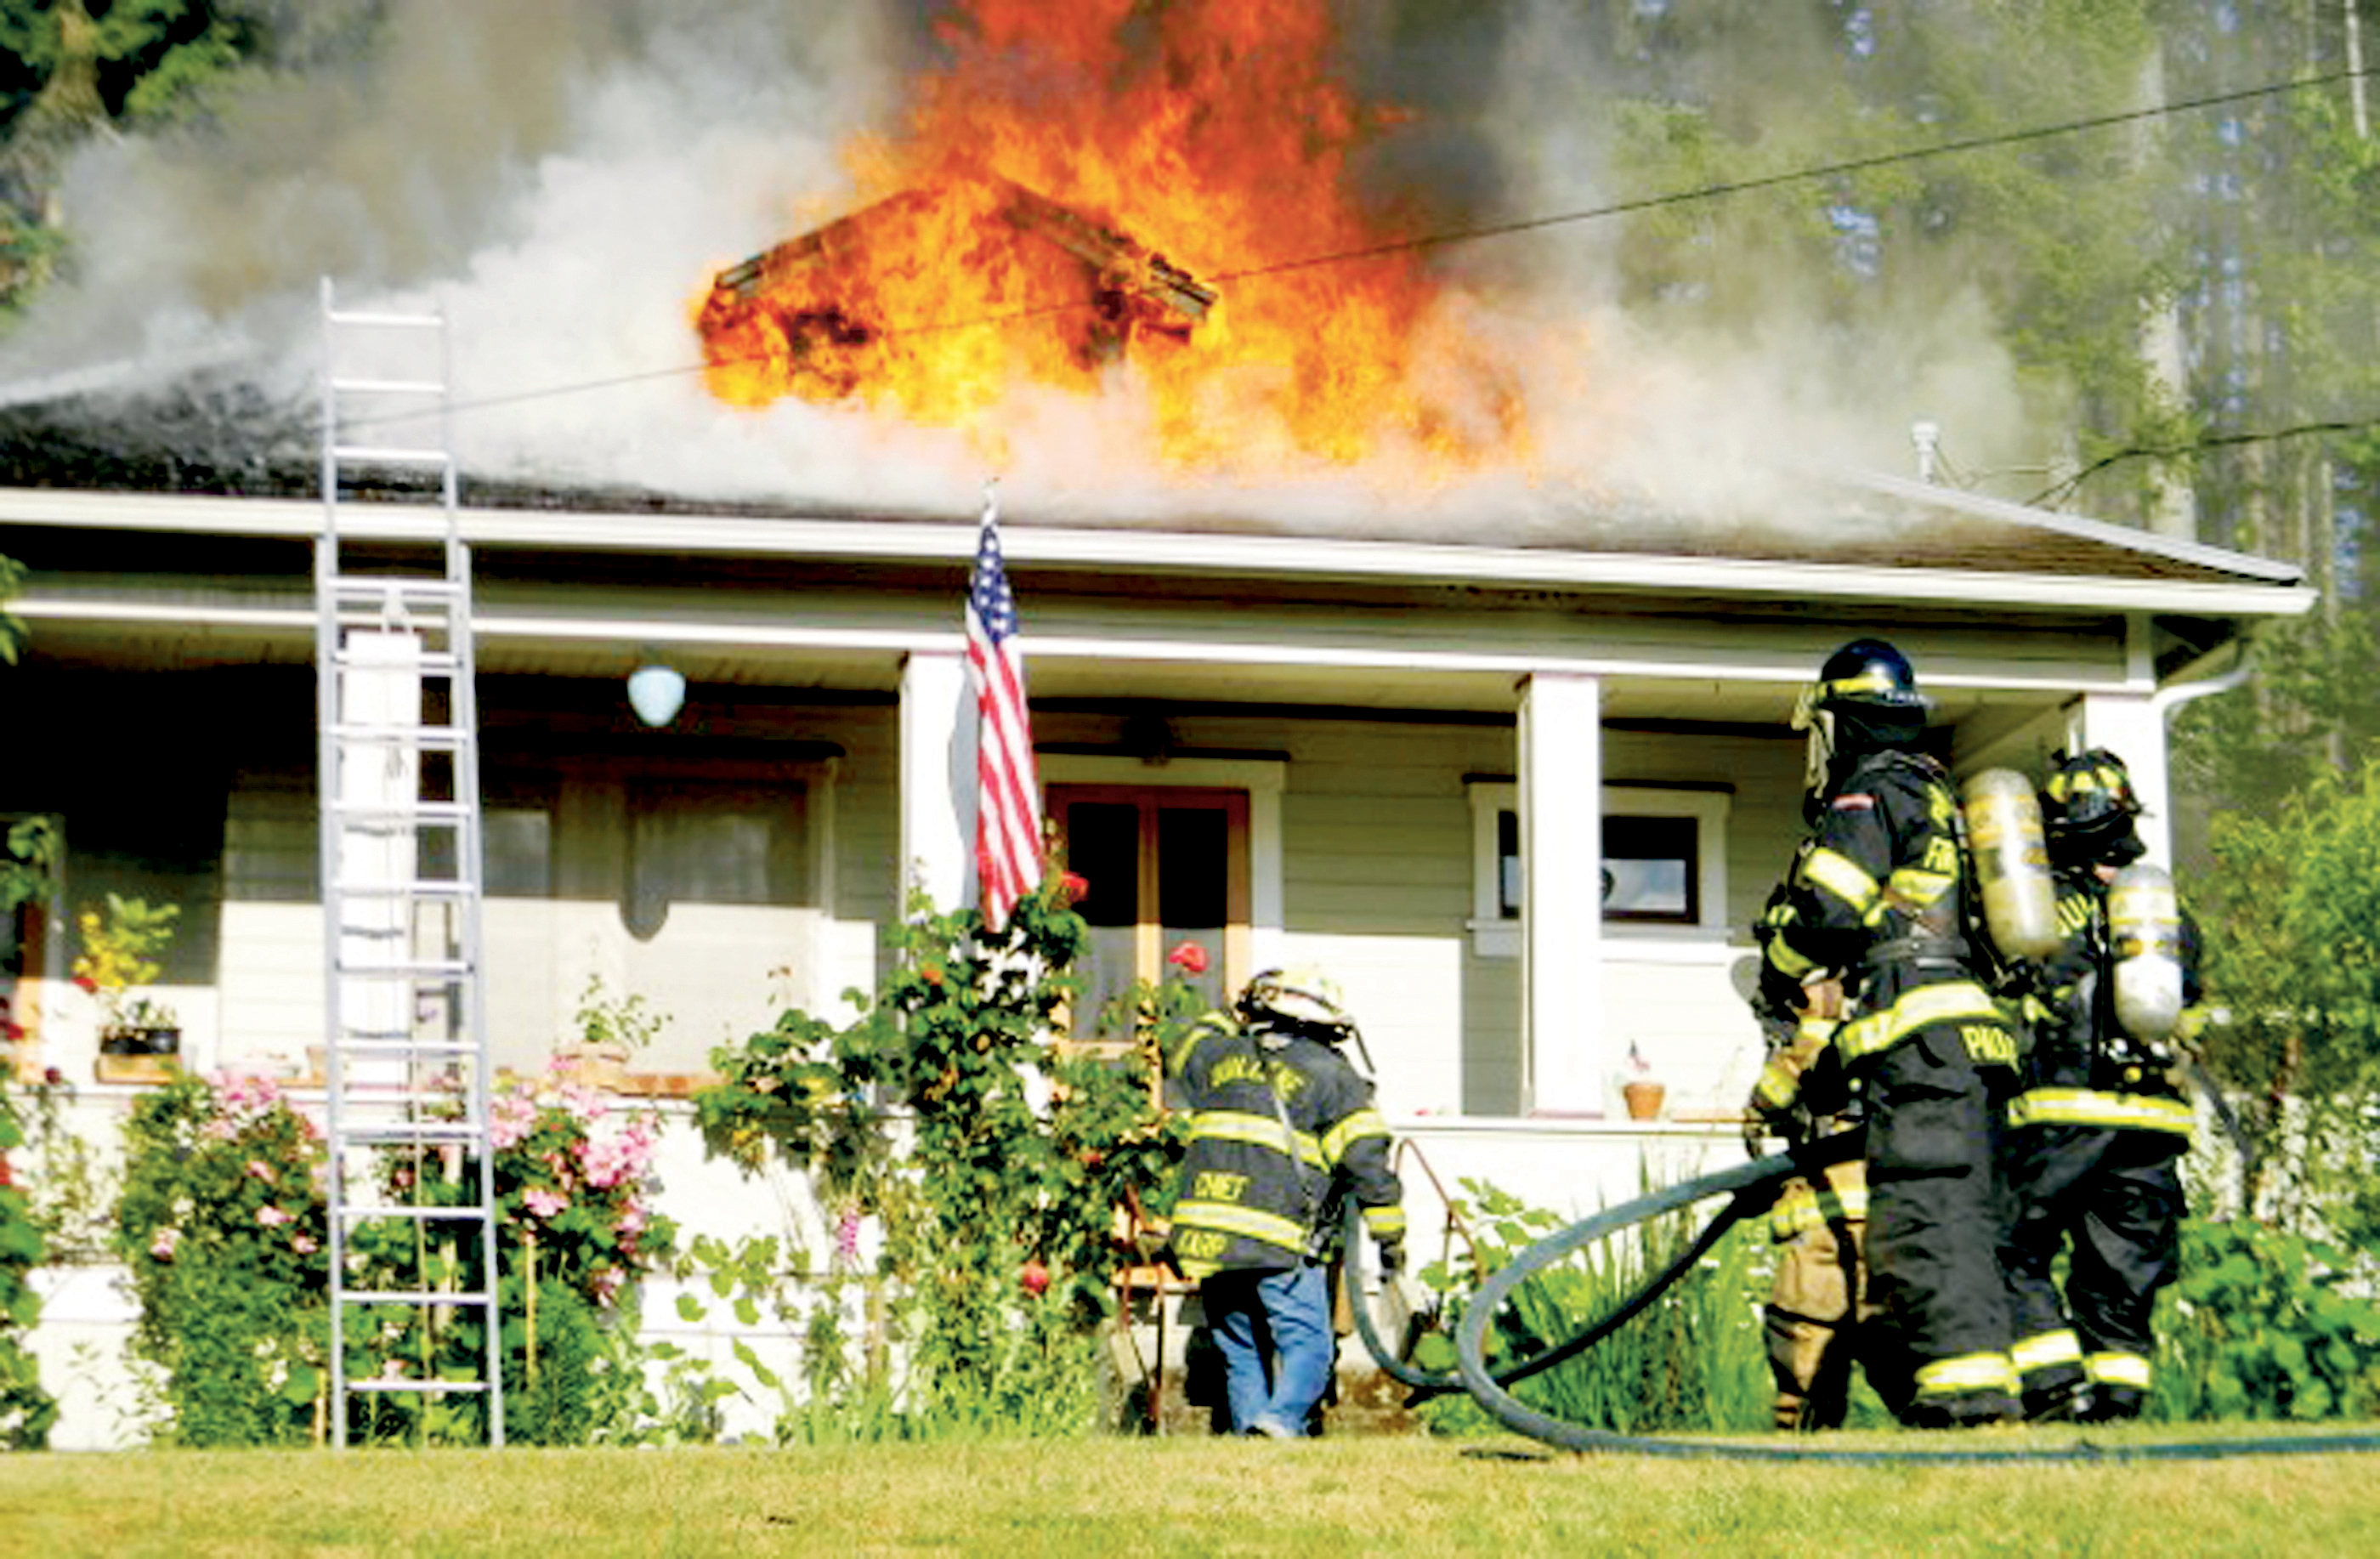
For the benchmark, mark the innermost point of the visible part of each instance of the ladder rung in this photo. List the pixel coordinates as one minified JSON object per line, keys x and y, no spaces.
{"x":381,"y":1382}
{"x":398,"y":811}
{"x":374,"y":586}
{"x":426,"y":888}
{"x":407,"y":1296}
{"x":381,"y":317}
{"x":382,"y":1049}
{"x":409,"y":1131}
{"x":449,"y":969}
{"x":426,"y":1214}
{"x":390,"y":387}
{"x":439,"y":736}
{"x":388,"y":455}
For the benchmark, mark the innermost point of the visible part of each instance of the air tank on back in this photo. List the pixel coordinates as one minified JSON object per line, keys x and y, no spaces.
{"x":2144,"y":936}
{"x":2011,"y":855}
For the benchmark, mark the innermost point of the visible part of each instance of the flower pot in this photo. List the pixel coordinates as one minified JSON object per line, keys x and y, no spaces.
{"x":149,"y":1041}
{"x":1644,"y":1100}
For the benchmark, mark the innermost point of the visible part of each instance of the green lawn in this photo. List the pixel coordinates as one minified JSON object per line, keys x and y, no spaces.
{"x":1179,"y":1496}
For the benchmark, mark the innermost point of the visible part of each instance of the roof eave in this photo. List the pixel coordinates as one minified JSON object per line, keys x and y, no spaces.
{"x":1155,"y":551}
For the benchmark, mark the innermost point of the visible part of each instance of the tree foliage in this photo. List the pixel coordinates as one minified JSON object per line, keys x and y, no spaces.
{"x":2291,"y":916}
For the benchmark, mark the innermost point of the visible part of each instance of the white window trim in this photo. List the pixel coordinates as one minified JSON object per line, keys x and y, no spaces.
{"x":1492,"y":936}
{"x":1263,"y":779}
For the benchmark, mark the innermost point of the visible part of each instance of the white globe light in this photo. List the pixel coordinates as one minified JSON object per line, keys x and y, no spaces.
{"x":656,"y":693}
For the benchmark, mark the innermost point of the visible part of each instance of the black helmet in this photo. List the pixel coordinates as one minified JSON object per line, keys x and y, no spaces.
{"x":1868,"y":677}
{"x":2087,"y":809}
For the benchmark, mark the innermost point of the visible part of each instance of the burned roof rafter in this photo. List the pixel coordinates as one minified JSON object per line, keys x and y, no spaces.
{"x":1129,"y":288}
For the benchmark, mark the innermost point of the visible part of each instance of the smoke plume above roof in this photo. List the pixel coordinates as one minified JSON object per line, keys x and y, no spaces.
{"x":564,"y":178}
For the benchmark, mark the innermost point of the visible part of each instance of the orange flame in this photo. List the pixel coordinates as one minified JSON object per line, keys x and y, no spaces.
{"x":1137,"y":202}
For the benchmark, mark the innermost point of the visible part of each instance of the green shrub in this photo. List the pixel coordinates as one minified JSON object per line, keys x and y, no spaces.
{"x":1694,"y":1359}
{"x":2264,"y":1324}
{"x":996,"y":1193}
{"x":223,"y":1224}
{"x":26,"y":1410}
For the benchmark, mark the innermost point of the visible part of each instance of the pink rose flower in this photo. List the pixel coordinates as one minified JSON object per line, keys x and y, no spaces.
{"x":305,"y":1245}
{"x":271,"y":1216}
{"x":542,"y":1202}
{"x":1190,"y":958}
{"x":162,"y":1247}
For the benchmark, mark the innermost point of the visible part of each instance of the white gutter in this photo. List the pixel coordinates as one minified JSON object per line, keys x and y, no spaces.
{"x":2165,"y":699}
{"x":1153,"y":552}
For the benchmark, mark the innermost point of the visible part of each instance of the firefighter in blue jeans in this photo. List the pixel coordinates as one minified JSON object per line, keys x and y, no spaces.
{"x":1283,"y":1128}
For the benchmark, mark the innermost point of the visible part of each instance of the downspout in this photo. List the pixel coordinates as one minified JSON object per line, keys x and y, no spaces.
{"x":2164,"y":701}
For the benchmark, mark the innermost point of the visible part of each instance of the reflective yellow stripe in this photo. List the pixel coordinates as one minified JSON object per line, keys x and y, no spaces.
{"x":1953,"y":1002}
{"x":1806,"y":1209}
{"x":1918,"y":887}
{"x":2118,"y":1370}
{"x":1780,"y":1080}
{"x":1254,"y":1223}
{"x":1841,"y":875}
{"x":1786,"y":958}
{"x":1386,"y":1223}
{"x":1339,"y":1139}
{"x":1263,"y":1131}
{"x":2084,"y":1106}
{"x":1968,"y":1371}
{"x":2061,"y":1346}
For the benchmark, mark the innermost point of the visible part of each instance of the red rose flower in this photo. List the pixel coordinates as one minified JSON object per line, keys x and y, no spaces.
{"x":89,"y":985}
{"x":1036,"y":1278}
{"x":1190,"y":958}
{"x":1071,"y":888}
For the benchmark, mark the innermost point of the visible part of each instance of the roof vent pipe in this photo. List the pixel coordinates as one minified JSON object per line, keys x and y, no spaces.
{"x":1927,"y":437}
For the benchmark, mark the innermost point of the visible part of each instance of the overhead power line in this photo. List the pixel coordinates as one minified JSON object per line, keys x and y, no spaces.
{"x":2066,"y":489}
{"x":1538,"y":224}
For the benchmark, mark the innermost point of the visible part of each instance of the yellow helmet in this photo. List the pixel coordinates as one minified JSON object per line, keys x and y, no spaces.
{"x":1303,"y":997}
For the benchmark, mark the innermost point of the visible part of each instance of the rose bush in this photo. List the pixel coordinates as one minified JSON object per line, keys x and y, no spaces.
{"x":224,"y":1225}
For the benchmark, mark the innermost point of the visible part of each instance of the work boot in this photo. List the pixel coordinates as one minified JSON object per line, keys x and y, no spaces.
{"x":2066,"y":1401}
{"x":1976,"y":1411}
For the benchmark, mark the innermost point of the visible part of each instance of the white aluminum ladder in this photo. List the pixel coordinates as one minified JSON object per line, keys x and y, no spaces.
{"x":409,"y":1080}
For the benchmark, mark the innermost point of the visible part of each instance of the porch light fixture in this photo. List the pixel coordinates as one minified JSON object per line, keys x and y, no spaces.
{"x":656,"y":690}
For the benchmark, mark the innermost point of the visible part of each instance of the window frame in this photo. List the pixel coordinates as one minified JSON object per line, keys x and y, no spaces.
{"x":1496,"y":934}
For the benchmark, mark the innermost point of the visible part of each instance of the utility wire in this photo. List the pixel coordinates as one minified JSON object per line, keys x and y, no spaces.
{"x":1527,"y":225}
{"x":2067,"y":488}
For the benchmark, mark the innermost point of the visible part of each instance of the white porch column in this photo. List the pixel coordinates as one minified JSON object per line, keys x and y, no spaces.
{"x":938,"y":737}
{"x":2132,"y":728}
{"x":1561,"y":906}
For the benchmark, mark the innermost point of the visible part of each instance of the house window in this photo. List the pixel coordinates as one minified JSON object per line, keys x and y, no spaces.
{"x":1664,"y":859}
{"x":1162,"y":865}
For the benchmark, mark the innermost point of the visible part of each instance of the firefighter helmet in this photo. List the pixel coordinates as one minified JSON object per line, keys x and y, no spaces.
{"x":1866,"y":676}
{"x":1296,"y":998}
{"x":1865,"y":698}
{"x":2088,"y":807}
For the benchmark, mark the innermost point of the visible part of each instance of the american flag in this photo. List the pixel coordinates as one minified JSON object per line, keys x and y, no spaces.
{"x":1008,"y":790}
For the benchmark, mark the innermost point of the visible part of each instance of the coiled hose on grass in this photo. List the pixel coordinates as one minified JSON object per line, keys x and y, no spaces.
{"x":1751,"y":1187}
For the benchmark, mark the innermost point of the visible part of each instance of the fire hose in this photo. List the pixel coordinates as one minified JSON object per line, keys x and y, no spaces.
{"x":1750,"y":1188}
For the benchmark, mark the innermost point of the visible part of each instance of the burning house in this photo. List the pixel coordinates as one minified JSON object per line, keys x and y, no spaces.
{"x":1412,"y":753}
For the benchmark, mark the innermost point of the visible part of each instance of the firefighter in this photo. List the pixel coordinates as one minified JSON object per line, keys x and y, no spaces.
{"x":2096,"y":1138}
{"x":1817,"y":1319}
{"x":1874,"y":925}
{"x":1282,"y":1128}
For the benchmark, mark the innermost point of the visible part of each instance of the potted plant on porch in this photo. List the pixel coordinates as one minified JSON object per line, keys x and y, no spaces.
{"x":119,"y":955}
